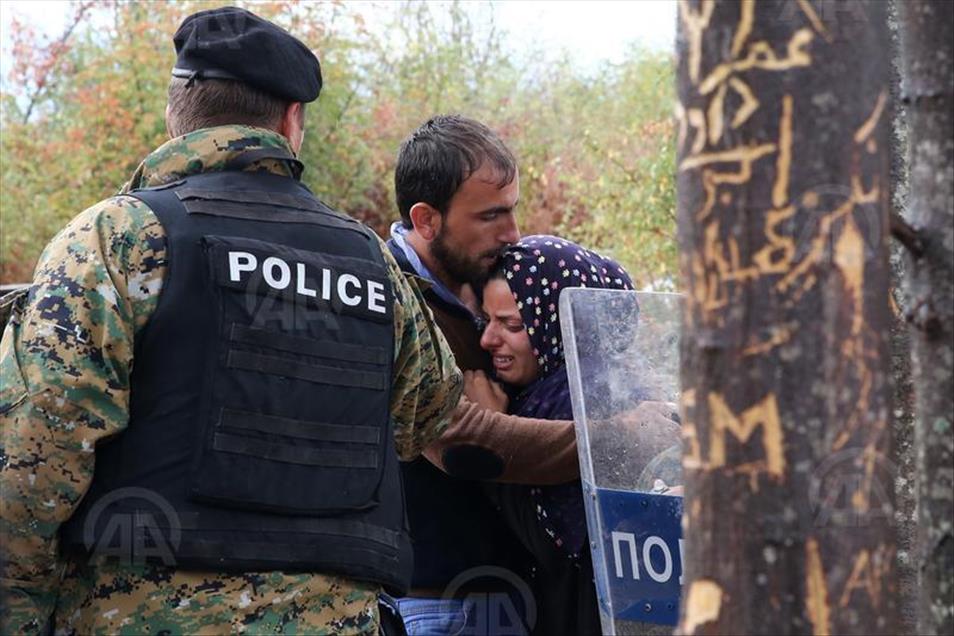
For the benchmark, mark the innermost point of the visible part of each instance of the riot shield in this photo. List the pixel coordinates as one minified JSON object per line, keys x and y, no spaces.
{"x":622,"y":353}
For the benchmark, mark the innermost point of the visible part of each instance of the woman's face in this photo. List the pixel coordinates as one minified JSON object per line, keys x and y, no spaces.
{"x":506,"y":338}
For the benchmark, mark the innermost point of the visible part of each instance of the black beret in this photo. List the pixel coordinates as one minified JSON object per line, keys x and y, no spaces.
{"x":232,"y":43}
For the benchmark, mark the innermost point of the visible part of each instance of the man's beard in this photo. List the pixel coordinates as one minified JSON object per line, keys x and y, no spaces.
{"x":459,"y":267}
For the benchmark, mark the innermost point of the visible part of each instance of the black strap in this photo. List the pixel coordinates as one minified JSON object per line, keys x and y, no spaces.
{"x":231,"y":554}
{"x":308,"y":346}
{"x":209,"y":73}
{"x":319,"y":374}
{"x":267,"y":214}
{"x":253,"y":196}
{"x":280,"y":524}
{"x":294,"y":454}
{"x":299,"y":429}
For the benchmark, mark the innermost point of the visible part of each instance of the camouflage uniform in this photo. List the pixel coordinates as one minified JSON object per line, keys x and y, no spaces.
{"x":65,"y":364}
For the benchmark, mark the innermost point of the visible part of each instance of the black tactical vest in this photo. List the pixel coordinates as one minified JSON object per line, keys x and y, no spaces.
{"x":259,"y":436}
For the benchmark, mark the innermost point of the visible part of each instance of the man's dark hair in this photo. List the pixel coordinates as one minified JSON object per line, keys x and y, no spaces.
{"x":440,"y":155}
{"x":217,"y":102}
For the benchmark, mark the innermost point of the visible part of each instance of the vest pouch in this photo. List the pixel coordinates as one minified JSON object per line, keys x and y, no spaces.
{"x":294,"y":414}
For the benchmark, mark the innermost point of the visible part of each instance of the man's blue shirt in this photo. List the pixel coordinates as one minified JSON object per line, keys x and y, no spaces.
{"x":399,"y":236}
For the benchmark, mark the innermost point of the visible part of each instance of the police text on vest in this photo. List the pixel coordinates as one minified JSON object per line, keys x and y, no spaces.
{"x":279,"y":275}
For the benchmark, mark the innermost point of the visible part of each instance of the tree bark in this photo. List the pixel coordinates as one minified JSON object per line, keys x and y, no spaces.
{"x":927,"y":39}
{"x":783,"y":199}
{"x":902,"y":441}
{"x":904,"y":456}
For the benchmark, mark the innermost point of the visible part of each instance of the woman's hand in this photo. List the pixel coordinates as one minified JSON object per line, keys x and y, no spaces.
{"x":485,"y":392}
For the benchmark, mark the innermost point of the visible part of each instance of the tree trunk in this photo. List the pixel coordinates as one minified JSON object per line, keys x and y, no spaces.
{"x":783,"y":198}
{"x":904,"y":456}
{"x":902,"y":441}
{"x":928,"y":62}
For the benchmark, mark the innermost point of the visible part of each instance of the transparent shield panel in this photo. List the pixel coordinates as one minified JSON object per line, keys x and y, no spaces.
{"x":622,"y":352}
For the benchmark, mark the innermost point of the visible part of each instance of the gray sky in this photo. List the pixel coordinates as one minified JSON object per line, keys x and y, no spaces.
{"x":595,"y":31}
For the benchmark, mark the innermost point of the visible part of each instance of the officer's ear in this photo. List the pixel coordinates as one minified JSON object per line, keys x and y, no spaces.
{"x":426,"y":220}
{"x":292,"y":126}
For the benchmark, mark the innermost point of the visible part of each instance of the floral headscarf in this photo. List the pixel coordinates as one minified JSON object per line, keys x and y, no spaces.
{"x":537,"y":269}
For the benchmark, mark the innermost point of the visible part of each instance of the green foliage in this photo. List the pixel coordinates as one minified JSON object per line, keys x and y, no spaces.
{"x":598,"y":159}
{"x":595,"y":151}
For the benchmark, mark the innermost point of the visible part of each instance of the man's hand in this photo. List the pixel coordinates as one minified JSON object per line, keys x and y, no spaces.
{"x":485,"y":392}
{"x":653,"y":411}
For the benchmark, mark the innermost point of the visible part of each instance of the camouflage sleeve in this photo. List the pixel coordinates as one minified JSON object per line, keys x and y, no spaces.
{"x":65,"y":360}
{"x":427,"y":383}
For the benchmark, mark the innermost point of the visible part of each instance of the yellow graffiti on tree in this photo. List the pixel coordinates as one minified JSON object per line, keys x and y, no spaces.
{"x":780,"y":335}
{"x":763,"y":415}
{"x":816,"y":590}
{"x":761,"y":56}
{"x":720,"y":272}
{"x":695,"y":24}
{"x":725,"y":425}
{"x":749,"y":102}
{"x":787,"y":258}
{"x":868,"y":573}
{"x":812,"y":16}
{"x":783,"y":164}
{"x":703,"y":604}
{"x":746,"y":20}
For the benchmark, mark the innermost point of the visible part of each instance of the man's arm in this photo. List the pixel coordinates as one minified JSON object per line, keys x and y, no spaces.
{"x":488,"y":445}
{"x":65,"y":360}
{"x":426,"y":383}
{"x":484,"y":444}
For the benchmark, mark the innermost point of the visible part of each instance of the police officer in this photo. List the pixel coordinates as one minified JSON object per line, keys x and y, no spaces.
{"x":206,"y":392}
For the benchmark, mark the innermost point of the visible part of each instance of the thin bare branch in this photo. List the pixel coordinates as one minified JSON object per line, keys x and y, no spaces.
{"x":909,"y":237}
{"x":57,"y":50}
